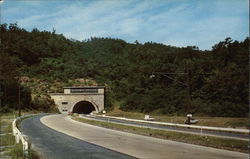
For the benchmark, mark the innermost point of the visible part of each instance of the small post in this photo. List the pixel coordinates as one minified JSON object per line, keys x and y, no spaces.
{"x":17,"y":138}
{"x":13,"y":131}
{"x":103,"y":113}
{"x":19,"y":100}
{"x":201,"y":130}
{"x":13,"y":128}
{"x":25,"y":149}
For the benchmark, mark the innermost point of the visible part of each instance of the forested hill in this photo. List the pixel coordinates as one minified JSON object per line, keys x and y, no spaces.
{"x":218,"y":79}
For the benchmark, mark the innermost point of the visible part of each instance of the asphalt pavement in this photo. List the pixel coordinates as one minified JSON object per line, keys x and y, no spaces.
{"x":131,"y":144}
{"x":52,"y":144}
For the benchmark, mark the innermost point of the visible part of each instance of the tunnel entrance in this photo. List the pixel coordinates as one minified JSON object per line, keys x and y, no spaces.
{"x":83,"y":107}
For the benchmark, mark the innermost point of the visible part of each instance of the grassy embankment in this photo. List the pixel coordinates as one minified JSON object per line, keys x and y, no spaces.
{"x":8,"y":147}
{"x":229,"y":144}
{"x":204,"y":121}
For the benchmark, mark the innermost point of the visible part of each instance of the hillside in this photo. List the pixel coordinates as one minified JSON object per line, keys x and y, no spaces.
{"x":39,"y":62}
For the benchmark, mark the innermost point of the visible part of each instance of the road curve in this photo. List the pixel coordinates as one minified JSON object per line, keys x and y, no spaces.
{"x":135,"y":145}
{"x":52,"y":144}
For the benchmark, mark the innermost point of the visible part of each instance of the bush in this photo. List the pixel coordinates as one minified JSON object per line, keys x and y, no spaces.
{"x":43,"y":104}
{"x":5,"y":109}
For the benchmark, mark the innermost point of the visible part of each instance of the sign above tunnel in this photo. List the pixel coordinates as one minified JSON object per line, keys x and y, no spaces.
{"x":84,"y":90}
{"x":80,"y":99}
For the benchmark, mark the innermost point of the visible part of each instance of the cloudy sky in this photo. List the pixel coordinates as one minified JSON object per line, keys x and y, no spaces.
{"x":172,"y":22}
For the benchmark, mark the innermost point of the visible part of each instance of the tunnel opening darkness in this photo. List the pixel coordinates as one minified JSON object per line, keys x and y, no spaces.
{"x":83,"y":107}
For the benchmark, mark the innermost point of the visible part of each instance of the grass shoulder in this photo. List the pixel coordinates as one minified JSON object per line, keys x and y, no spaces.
{"x":9,"y":148}
{"x":227,"y":122}
{"x":228,"y":144}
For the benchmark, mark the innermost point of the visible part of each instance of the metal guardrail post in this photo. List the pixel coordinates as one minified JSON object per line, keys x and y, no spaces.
{"x":18,"y":136}
{"x":25,"y":149}
{"x":13,"y":128}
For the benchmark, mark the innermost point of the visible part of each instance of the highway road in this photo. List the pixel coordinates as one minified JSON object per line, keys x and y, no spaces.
{"x":171,"y":128}
{"x":58,"y":136}
{"x":52,"y":144}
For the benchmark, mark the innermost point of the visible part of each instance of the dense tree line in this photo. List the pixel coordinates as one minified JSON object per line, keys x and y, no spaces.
{"x":218,"y":79}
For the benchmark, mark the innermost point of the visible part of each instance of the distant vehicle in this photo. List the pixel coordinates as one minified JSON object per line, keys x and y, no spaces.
{"x":190,"y":119}
{"x":148,"y":118}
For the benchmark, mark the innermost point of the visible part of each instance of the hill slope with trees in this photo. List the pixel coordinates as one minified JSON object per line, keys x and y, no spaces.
{"x":218,"y":79}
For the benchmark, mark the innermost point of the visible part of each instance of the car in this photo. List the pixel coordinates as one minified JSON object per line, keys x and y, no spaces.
{"x":148,"y":118}
{"x":191,"y":121}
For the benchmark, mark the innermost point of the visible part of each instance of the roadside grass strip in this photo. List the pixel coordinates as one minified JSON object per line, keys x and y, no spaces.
{"x":210,"y":141}
{"x":227,"y":122}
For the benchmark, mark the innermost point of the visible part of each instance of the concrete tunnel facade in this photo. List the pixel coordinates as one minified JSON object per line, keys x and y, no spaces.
{"x":81,"y":100}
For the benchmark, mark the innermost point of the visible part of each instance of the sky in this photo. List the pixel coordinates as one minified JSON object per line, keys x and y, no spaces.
{"x":180,"y":23}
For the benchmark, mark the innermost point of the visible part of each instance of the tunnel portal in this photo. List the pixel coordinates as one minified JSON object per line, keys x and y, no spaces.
{"x":83,"y":107}
{"x":85,"y":99}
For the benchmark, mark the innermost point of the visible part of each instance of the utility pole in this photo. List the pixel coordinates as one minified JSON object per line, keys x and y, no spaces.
{"x":19,"y":101}
{"x":189,"y":90}
{"x":5,"y":93}
{"x":106,"y":96}
{"x":186,"y":84}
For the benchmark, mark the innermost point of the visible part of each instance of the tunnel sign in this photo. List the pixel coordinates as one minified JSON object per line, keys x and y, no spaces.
{"x":79,"y":100}
{"x":81,"y":90}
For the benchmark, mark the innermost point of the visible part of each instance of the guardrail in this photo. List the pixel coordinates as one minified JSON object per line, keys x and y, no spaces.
{"x":233,"y":130}
{"x":19,"y":136}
